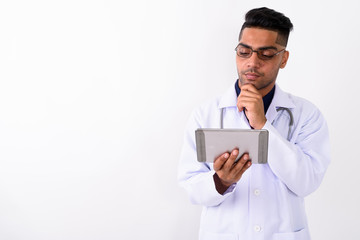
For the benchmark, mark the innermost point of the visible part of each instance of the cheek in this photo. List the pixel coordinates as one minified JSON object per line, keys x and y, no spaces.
{"x":237,"y":62}
{"x":240,"y":65}
{"x":272,"y":72}
{"x":273,"y":69}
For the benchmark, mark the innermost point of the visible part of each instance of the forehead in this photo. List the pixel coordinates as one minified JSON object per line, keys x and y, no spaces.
{"x":258,"y":38}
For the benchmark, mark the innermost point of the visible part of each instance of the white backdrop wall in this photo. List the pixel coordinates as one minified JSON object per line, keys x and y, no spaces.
{"x":95,"y":95}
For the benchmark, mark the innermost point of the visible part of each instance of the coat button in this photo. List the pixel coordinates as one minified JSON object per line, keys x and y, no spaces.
{"x":257,"y":228}
{"x":257,"y":192}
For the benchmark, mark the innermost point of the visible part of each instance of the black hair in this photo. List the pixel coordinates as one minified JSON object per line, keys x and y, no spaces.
{"x":269,"y":19}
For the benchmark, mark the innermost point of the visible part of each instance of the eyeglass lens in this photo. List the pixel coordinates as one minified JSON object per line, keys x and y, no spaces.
{"x":264,"y":54}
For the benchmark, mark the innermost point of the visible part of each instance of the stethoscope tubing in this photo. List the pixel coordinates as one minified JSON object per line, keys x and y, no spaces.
{"x":291,"y":123}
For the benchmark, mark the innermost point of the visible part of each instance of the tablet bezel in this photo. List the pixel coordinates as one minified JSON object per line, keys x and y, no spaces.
{"x":212,"y":143}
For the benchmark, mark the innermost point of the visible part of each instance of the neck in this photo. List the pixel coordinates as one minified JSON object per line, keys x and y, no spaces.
{"x":266,"y":90}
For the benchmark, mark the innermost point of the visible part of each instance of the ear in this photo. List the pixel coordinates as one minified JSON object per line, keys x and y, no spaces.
{"x":284,"y":59}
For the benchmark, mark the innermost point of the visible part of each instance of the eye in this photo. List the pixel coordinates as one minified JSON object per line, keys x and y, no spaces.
{"x":243,"y":51}
{"x":267,"y":53}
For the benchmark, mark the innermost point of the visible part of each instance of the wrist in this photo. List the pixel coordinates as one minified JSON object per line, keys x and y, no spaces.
{"x":220,"y":185}
{"x":260,"y":125}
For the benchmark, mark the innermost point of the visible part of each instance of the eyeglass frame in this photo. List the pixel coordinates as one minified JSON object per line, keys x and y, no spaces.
{"x":258,"y":52}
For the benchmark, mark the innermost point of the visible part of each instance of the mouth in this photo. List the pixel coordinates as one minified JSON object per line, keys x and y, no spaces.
{"x":251,"y":76}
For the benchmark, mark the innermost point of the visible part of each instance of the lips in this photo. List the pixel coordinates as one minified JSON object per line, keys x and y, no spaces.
{"x":251,"y":76}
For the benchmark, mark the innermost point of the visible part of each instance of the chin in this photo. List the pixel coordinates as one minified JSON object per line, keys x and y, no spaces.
{"x":249,"y":82}
{"x":244,"y":82}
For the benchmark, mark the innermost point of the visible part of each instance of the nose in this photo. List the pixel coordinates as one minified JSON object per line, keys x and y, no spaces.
{"x":253,"y":61}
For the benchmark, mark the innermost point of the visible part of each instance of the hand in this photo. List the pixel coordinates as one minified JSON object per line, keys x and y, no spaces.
{"x":228,"y":171}
{"x":251,"y":101}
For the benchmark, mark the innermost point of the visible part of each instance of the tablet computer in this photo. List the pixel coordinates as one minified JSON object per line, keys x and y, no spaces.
{"x":211,"y":143}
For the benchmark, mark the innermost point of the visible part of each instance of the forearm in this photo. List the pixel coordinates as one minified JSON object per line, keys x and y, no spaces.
{"x":202,"y":190}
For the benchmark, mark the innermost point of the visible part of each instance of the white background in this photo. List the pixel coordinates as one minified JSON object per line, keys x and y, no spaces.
{"x":95,"y":95}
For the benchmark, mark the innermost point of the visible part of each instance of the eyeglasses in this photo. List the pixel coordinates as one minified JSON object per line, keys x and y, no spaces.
{"x":244,"y":51}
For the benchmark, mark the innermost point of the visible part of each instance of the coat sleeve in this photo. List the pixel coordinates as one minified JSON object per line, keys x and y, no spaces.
{"x":195,"y":177}
{"x":301,"y":163}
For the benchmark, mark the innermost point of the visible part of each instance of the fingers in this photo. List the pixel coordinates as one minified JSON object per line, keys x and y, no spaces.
{"x":226,"y":161}
{"x":251,"y":101}
{"x":219,"y":162}
{"x":247,"y":97}
{"x":230,"y":171}
{"x":250,"y":93}
{"x":247,"y":103}
{"x":242,"y":165}
{"x":250,"y":88}
{"x":230,"y":162}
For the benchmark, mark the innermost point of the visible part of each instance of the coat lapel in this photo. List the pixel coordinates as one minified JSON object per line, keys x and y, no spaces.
{"x":281,"y":99}
{"x":235,"y":119}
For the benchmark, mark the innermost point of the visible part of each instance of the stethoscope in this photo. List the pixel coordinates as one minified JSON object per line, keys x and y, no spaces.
{"x":291,"y":123}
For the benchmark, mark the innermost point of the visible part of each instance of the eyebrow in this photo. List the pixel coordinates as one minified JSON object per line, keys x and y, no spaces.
{"x":261,"y":48}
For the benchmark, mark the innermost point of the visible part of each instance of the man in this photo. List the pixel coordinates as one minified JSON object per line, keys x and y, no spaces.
{"x":242,"y":200}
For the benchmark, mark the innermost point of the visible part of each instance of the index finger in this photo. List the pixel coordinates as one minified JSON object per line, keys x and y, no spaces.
{"x":220,"y":161}
{"x":249,"y":87}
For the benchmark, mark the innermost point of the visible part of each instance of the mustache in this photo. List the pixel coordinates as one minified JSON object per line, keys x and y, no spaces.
{"x":252,"y":70}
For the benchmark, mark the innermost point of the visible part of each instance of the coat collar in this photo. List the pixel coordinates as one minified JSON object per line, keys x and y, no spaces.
{"x":229,"y":99}
{"x":280,"y":99}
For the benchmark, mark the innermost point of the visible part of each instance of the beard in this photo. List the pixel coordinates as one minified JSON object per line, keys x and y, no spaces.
{"x":260,"y":83}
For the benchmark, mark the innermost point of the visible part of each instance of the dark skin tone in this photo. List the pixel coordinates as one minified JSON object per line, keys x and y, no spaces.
{"x":256,"y":79}
{"x":227,"y":171}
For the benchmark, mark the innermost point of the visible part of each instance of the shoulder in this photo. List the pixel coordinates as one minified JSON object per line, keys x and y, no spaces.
{"x":300,"y":107}
{"x":214,"y":105}
{"x":207,"y":110}
{"x":208,"y":113}
{"x":305,"y":110}
{"x":303,"y":104}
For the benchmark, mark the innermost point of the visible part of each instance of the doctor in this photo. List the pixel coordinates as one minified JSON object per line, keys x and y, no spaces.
{"x":242,"y":200}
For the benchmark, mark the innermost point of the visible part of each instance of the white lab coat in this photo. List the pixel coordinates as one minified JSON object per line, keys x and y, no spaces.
{"x":268,"y":201}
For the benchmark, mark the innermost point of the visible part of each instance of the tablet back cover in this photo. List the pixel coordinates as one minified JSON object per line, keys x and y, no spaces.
{"x":211,"y":143}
